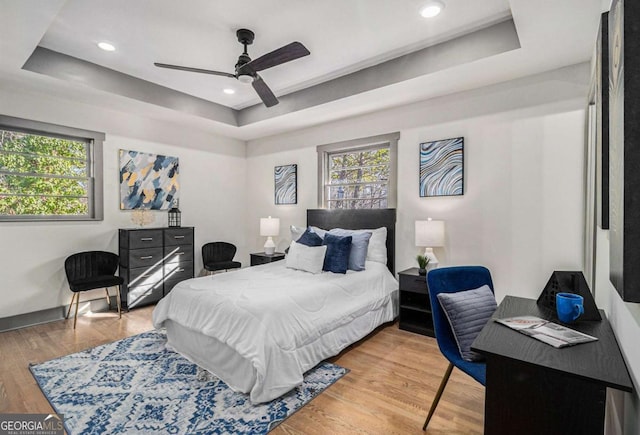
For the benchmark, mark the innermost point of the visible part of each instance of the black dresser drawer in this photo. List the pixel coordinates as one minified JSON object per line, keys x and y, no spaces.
{"x":175,"y":273}
{"x":137,"y":239}
{"x":416,"y":284}
{"x":140,"y":257}
{"x":178,"y":253}
{"x":178,"y":236}
{"x":178,"y":271}
{"x":140,"y":295}
{"x":146,"y":275}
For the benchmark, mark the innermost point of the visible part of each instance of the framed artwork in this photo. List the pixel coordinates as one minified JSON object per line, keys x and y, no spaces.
{"x":602,"y":123}
{"x":442,"y":167}
{"x":148,"y":181}
{"x":624,"y":150}
{"x":286,"y":184}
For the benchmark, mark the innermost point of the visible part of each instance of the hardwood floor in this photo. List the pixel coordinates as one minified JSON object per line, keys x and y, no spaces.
{"x":394,"y":376}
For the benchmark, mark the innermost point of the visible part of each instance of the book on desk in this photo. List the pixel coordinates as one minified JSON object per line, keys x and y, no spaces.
{"x":548,"y":332}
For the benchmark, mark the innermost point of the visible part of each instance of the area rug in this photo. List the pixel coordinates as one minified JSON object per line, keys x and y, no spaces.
{"x":137,"y":385}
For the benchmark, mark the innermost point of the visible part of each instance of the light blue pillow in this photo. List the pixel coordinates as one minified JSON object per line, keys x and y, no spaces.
{"x":359,"y":246}
{"x":318,"y":231}
{"x":468,"y":311}
{"x":336,"y":259}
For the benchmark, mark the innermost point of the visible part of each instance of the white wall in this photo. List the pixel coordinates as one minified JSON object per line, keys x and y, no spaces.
{"x":212,"y":199}
{"x":521,"y":214}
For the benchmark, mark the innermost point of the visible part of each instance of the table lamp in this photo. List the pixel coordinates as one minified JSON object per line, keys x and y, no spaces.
{"x":430,"y":234}
{"x":269,"y":227}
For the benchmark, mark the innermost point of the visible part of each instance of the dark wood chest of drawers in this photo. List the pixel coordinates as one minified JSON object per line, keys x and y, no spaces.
{"x":152,"y":262}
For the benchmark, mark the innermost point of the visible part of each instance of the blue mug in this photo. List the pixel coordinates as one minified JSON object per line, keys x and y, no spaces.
{"x":569,"y":307}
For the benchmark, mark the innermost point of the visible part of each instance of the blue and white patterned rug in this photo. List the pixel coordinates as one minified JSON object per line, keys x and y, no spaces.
{"x":137,"y":385}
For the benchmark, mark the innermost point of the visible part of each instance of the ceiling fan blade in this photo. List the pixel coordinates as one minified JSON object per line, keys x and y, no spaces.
{"x":265,"y":94}
{"x":284,"y":54}
{"x":196,"y":70}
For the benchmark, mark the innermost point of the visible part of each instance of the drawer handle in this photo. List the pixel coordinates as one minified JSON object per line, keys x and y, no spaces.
{"x":180,"y":270}
{"x":180,"y":253}
{"x":178,"y":237}
{"x":146,"y":239}
{"x":146,"y":257}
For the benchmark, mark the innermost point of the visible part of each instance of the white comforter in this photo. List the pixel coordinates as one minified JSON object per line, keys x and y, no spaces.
{"x":271,"y":315}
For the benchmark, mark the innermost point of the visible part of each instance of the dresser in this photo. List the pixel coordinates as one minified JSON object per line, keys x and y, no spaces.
{"x":152,"y":262}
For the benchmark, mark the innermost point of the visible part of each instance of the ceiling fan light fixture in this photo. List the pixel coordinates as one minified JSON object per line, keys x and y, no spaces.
{"x":106,"y":46}
{"x":432,"y":9}
{"x":245,"y":78}
{"x":246,"y":70}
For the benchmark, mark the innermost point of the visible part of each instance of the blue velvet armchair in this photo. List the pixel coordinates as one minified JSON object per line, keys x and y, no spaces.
{"x":452,"y":280}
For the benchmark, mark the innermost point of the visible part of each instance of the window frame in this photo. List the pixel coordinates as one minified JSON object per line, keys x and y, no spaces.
{"x":355,"y":145}
{"x":94,"y":142}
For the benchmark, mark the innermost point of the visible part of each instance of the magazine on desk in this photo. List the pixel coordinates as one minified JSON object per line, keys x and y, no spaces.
{"x":546,"y":331}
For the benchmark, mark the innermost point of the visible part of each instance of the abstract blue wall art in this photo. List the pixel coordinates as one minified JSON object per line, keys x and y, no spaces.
{"x":148,"y":181}
{"x":442,"y":167}
{"x":286,"y":189}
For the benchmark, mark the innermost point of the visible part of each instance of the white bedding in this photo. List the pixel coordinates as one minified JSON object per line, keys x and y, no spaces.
{"x":278,"y":319}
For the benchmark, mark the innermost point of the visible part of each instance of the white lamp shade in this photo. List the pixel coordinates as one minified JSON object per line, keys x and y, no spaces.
{"x":269,"y":226}
{"x":430,"y":233}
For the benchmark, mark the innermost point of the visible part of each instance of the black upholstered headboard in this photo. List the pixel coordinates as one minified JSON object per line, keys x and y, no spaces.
{"x":359,"y":219}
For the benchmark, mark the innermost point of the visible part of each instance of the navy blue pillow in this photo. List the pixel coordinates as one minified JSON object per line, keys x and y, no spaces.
{"x":309,"y":238}
{"x":336,"y":259}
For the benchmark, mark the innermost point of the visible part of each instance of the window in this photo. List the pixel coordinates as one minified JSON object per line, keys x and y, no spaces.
{"x":358,"y":173}
{"x":49,"y":172}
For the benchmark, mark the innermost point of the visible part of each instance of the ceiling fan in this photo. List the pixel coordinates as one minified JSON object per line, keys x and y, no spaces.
{"x":247,"y":69}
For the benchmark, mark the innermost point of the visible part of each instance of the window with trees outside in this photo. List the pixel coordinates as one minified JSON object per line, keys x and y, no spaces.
{"x":49,"y":172}
{"x":358,"y":174}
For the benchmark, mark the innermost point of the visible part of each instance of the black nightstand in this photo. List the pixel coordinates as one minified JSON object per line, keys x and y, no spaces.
{"x":262,"y":258}
{"x":415,"y":307}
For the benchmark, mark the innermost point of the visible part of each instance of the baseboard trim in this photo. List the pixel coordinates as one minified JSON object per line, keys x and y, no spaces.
{"x":53,"y":314}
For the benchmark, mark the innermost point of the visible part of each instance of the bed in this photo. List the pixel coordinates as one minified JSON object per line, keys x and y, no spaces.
{"x":261,"y":328}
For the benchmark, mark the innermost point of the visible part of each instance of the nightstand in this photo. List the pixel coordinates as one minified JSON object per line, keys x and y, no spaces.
{"x":415,"y":307}
{"x":262,"y":258}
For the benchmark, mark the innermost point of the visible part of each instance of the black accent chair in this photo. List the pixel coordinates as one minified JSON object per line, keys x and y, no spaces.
{"x":92,"y":270}
{"x":219,"y":256}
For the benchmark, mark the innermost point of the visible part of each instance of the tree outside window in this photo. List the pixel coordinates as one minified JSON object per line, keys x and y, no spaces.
{"x":358,"y":179}
{"x":48,"y":176}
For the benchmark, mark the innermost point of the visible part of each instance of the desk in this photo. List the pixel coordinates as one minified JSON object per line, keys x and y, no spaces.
{"x":534,"y":388}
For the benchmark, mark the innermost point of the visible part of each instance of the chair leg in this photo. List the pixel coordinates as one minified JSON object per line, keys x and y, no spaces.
{"x":75,"y":316}
{"x":108,"y":299}
{"x":436,"y":399}
{"x":118,"y":302}
{"x":71,"y":304}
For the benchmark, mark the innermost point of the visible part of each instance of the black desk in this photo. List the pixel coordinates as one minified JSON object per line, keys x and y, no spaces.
{"x":534,"y":388}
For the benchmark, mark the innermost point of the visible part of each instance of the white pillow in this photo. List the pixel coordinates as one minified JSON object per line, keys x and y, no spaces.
{"x":378,"y":245}
{"x":307,"y":258}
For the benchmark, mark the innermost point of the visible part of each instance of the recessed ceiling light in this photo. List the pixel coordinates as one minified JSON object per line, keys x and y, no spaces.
{"x":229,"y":91}
{"x":432,"y":9}
{"x":106,"y":46}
